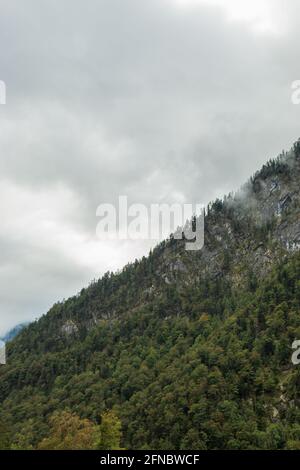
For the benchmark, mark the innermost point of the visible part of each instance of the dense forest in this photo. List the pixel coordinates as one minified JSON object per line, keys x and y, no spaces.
{"x":180,"y":350}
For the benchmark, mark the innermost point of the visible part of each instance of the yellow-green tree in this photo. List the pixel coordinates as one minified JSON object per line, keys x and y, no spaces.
{"x":69,"y":432}
{"x":110,"y":434}
{"x":4,"y":436}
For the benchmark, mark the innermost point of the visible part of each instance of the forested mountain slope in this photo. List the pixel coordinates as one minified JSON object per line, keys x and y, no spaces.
{"x":191,"y":349}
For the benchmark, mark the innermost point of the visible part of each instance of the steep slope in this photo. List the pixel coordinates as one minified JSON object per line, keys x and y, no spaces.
{"x":192,"y":349}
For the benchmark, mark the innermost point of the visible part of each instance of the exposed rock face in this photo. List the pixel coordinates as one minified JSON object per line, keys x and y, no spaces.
{"x":69,"y":328}
{"x":252,"y":228}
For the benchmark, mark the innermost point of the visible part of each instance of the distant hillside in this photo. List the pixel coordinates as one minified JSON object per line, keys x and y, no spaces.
{"x":192,"y":350}
{"x":11,"y":334}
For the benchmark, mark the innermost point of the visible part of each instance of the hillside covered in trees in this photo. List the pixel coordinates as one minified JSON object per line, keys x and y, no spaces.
{"x":180,"y":350}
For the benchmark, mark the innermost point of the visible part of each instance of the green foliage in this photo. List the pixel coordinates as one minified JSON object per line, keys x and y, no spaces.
{"x":109,"y":435}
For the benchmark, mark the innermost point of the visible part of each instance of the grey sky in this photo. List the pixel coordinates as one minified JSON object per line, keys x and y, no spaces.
{"x":161,"y":100}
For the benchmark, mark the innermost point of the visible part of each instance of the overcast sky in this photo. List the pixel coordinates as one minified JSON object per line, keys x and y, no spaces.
{"x":161,"y":100}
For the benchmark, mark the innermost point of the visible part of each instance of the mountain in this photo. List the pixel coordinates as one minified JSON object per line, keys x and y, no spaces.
{"x":190,"y":349}
{"x":11,"y":334}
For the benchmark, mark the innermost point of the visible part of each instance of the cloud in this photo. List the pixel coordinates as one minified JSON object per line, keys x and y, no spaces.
{"x":155,"y":100}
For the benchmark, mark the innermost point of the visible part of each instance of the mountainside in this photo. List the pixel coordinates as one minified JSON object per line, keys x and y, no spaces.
{"x":191,"y":349}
